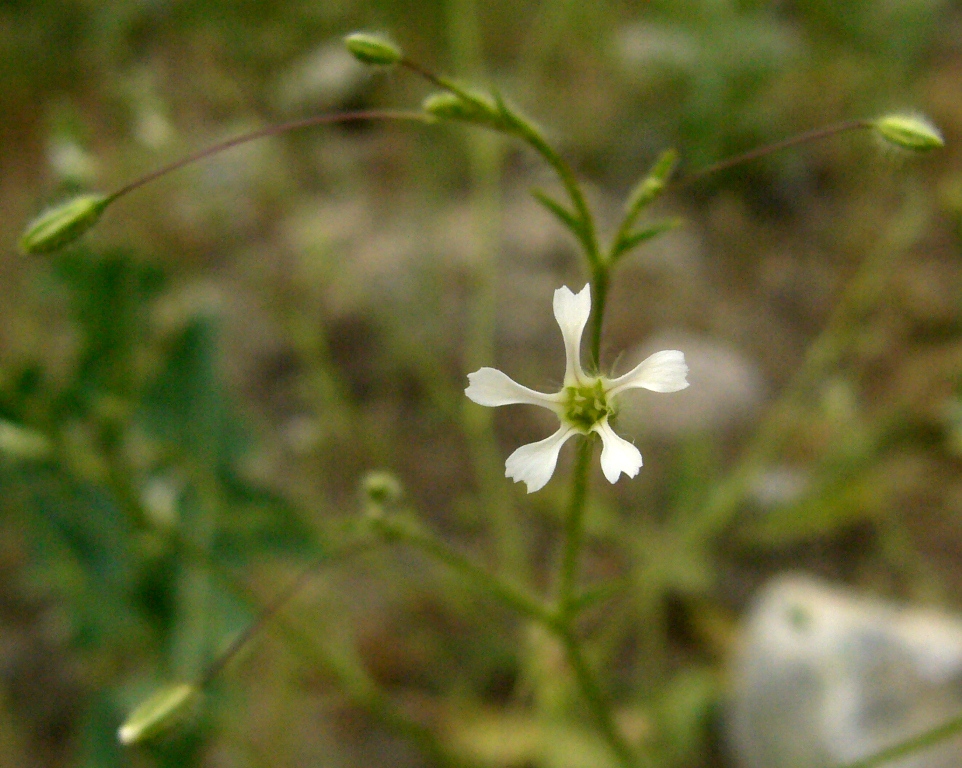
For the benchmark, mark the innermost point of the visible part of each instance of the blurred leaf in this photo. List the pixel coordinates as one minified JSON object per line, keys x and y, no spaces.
{"x":109,"y":301}
{"x":261,"y":521}
{"x":515,"y":738}
{"x":847,"y":490}
{"x":898,"y":31}
{"x":98,"y":735}
{"x":82,"y":546}
{"x":684,"y":709}
{"x":185,"y":404}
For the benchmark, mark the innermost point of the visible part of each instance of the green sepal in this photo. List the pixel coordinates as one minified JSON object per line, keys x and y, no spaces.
{"x":466,"y":107}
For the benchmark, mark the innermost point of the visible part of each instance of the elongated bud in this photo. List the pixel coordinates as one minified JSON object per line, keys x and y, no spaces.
{"x":160,"y":711}
{"x":373,"y":49}
{"x":654,"y":183}
{"x":910,"y":132}
{"x":470,"y":108}
{"x":63,"y":224}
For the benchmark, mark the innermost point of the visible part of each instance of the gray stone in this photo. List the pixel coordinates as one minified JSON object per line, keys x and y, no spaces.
{"x":824,"y":677}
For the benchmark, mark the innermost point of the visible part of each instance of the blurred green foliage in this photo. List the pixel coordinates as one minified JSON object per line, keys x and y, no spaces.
{"x":206,"y":379}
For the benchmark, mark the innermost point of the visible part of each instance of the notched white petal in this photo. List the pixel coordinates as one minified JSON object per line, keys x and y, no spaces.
{"x":572,"y":310}
{"x":534,"y":463}
{"x":617,"y":454}
{"x":664,"y":371}
{"x":491,"y":387}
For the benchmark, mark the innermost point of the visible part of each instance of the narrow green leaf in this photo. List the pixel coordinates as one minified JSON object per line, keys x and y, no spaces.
{"x":566,"y":217}
{"x":636,"y":238}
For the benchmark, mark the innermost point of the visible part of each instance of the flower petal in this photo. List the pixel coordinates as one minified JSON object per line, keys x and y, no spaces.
{"x":571,"y":310}
{"x":662,"y":372}
{"x":617,"y":454}
{"x":489,"y":386}
{"x":534,"y":463}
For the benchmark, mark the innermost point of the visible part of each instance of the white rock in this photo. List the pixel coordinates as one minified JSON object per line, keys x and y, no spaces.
{"x":824,"y":677}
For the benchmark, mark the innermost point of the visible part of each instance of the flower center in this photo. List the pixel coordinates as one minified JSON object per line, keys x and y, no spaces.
{"x":586,"y":405}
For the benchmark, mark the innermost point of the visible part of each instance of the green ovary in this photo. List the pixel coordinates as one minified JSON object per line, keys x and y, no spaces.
{"x":586,"y":406}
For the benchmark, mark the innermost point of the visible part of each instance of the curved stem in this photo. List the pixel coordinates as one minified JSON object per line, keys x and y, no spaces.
{"x":274,"y":130}
{"x":912,"y":746}
{"x":589,"y":238}
{"x":277,"y":604}
{"x":522,"y":129}
{"x":396,"y":528}
{"x":352,"y":679}
{"x":802,"y":138}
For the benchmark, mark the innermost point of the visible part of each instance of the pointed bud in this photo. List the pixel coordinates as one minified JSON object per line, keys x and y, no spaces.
{"x":470,"y":108}
{"x":654,"y":183}
{"x":373,"y":49}
{"x":910,"y":132}
{"x":160,"y":711}
{"x":63,"y":224}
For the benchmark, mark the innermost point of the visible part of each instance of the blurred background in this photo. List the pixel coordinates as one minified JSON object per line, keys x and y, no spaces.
{"x":190,"y":396}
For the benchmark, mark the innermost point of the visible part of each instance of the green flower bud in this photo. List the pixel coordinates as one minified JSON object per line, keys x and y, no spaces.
{"x":910,"y":132}
{"x":471,"y":108}
{"x":160,"y":711}
{"x":372,"y":49}
{"x":654,"y":183}
{"x":63,"y":224}
{"x":381,"y":487}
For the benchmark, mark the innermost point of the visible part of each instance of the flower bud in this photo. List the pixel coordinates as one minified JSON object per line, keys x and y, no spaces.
{"x":160,"y":711}
{"x":63,"y":224}
{"x":372,"y":49}
{"x":473,"y":109}
{"x":910,"y":132}
{"x":381,"y":487}
{"x":654,"y":183}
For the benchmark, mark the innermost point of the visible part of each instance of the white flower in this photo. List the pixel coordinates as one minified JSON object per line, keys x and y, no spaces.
{"x":583,"y":405}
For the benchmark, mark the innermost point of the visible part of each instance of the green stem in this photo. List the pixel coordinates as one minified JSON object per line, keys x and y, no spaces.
{"x":558,"y":621}
{"x":569,"y":569}
{"x":589,"y":238}
{"x":566,"y":608}
{"x":911,"y":746}
{"x":396,"y":528}
{"x":803,"y":138}
{"x":597,"y":703}
{"x":599,"y":300}
{"x":352,"y":679}
{"x":527,"y":132}
{"x":274,"y":130}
